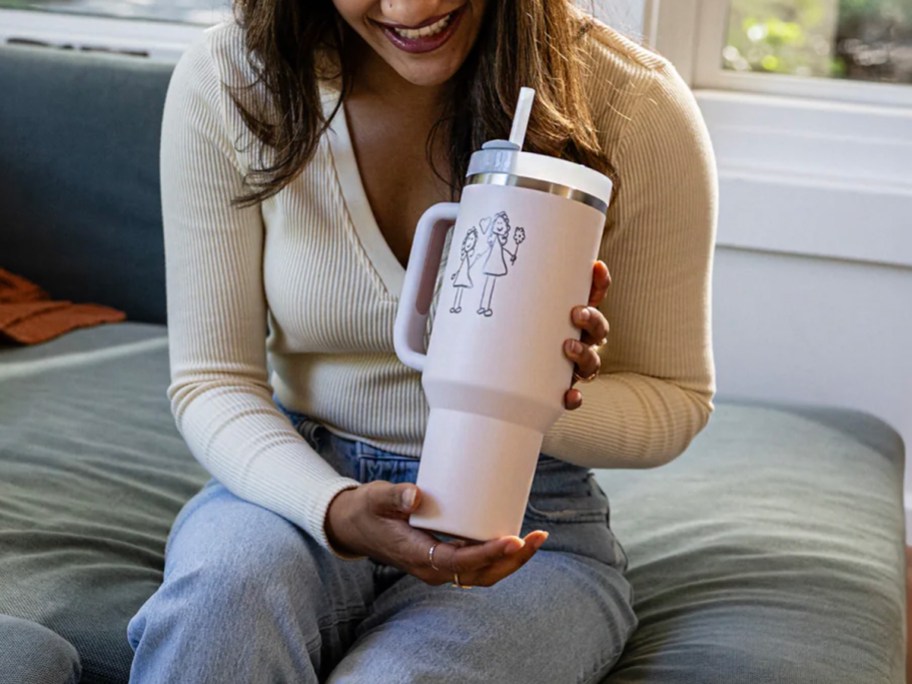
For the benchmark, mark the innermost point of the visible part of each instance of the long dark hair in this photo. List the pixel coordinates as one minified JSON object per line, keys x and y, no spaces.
{"x":535,"y":43}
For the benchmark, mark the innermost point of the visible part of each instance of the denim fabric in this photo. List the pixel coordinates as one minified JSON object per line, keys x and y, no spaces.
{"x":249,"y":597}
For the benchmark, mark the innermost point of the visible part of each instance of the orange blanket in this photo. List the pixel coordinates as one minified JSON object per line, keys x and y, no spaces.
{"x":29,"y":316}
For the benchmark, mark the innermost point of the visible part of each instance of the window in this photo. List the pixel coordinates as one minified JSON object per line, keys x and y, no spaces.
{"x":836,"y":50}
{"x":868,"y":40}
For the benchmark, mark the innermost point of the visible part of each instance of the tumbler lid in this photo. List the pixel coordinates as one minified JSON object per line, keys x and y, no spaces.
{"x":500,"y":159}
{"x":502,"y":162}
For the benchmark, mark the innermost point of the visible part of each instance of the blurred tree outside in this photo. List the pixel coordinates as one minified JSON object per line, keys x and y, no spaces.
{"x":858,"y":39}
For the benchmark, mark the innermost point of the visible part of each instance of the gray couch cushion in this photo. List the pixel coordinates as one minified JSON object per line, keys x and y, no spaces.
{"x":772,"y":551}
{"x":79,"y":190}
{"x":92,"y":472}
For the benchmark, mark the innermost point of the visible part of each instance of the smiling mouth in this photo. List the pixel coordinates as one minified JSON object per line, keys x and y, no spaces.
{"x":426,"y":30}
{"x":426,"y":37}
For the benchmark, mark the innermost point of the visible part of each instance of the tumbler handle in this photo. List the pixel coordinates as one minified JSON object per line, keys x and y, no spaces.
{"x":418,"y":287}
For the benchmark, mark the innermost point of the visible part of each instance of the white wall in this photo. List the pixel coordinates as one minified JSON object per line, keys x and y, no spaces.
{"x":813,"y":272}
{"x":816,"y":330}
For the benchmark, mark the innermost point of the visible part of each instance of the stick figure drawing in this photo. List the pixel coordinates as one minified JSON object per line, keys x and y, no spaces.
{"x":497,"y":231}
{"x":462,"y":278}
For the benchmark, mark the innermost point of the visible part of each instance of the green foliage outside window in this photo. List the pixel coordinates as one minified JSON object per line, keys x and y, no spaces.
{"x":858,"y":39}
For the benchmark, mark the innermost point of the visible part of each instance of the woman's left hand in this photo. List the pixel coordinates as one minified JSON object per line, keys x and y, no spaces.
{"x":584,"y":352}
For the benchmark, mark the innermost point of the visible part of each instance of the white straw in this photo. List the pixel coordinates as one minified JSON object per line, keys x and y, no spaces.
{"x":521,"y":117}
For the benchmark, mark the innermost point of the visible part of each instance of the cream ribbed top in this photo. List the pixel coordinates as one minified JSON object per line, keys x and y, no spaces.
{"x":312,"y":265}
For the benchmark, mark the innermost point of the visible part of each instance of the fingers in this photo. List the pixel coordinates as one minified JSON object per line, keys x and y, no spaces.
{"x":584,"y":356}
{"x":409,"y":548}
{"x":472,"y":558}
{"x":476,"y":564}
{"x":573,"y":399}
{"x":506,"y":565}
{"x":601,"y":281}
{"x":392,"y":501}
{"x":584,"y":352}
{"x":592,"y":322}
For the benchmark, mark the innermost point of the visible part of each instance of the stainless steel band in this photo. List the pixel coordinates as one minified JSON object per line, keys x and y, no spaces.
{"x":540,"y":185}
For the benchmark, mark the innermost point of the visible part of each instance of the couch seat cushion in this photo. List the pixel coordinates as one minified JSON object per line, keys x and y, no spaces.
{"x":93,"y":473}
{"x":771,"y":551}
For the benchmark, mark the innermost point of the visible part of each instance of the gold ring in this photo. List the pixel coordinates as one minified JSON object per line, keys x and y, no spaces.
{"x":457,"y":583}
{"x":589,"y":378}
{"x":431,"y":555}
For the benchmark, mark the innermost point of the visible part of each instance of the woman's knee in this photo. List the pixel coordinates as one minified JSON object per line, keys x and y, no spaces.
{"x":30,"y":652}
{"x":231,"y":546}
{"x":244,"y":604}
{"x":228,"y":562}
{"x":230,"y":581}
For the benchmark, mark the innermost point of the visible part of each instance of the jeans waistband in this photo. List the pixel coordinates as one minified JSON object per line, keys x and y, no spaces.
{"x":366,"y":463}
{"x":352,"y":458}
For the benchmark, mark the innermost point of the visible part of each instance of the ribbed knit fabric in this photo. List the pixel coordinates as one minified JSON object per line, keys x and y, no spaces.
{"x":310,"y":269}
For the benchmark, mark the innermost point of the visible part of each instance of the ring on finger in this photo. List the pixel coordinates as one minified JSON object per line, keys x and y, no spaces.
{"x":431,"y":554}
{"x":589,"y":378}
{"x":457,"y":583}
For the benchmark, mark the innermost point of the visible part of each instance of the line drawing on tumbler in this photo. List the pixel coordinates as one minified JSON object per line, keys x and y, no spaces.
{"x":496,"y":230}
{"x":462,"y":278}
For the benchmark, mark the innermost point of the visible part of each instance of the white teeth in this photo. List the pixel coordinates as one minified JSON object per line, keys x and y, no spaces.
{"x":429,"y":30}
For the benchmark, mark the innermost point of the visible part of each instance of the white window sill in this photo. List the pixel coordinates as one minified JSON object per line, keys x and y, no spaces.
{"x":812,"y":177}
{"x":154,"y":39}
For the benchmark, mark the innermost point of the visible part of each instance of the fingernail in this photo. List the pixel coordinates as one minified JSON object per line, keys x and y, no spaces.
{"x":573,"y":346}
{"x":584,"y":315}
{"x":408,"y":498}
{"x":513,"y":545}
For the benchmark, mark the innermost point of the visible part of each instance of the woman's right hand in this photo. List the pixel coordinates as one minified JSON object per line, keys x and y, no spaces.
{"x":372,"y":520}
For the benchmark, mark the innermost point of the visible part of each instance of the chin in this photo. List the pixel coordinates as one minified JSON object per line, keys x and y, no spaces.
{"x":428,"y":79}
{"x":425,"y":75}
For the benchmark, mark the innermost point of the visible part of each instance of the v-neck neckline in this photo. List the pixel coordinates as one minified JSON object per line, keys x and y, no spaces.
{"x":381,"y":255}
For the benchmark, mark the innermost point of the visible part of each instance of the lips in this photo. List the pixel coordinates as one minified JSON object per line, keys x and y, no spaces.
{"x":425,"y":37}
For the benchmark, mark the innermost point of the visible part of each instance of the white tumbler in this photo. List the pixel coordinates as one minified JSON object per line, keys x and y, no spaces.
{"x":527,"y":233}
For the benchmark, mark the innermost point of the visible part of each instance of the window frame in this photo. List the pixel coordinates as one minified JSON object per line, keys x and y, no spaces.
{"x":825,"y":151}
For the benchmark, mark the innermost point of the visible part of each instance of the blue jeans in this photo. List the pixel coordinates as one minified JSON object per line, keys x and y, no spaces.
{"x":249,"y":597}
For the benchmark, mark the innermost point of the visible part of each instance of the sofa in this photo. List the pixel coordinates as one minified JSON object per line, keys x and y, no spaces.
{"x":771,"y":551}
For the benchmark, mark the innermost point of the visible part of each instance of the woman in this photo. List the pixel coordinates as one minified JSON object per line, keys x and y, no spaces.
{"x":299,"y":147}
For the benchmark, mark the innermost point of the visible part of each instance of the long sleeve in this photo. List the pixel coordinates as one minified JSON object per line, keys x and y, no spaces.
{"x":217,"y":313}
{"x":655,"y":390}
